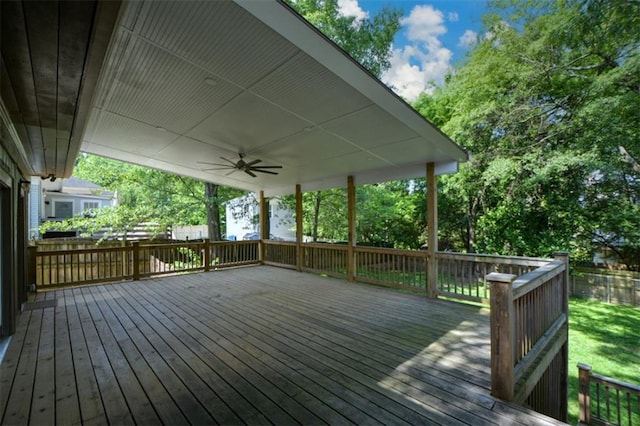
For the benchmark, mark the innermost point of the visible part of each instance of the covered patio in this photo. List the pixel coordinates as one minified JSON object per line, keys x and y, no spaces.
{"x":254,"y":345}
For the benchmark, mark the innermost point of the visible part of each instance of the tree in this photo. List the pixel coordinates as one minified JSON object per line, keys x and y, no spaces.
{"x":367,"y":40}
{"x":544,"y":102}
{"x":157,"y":196}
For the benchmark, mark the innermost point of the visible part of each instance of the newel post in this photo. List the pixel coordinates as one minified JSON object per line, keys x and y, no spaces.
{"x":32,"y":266}
{"x":135,"y":246}
{"x":207,"y":254}
{"x":502,"y":335}
{"x":563,"y":256}
{"x":584,"y":395}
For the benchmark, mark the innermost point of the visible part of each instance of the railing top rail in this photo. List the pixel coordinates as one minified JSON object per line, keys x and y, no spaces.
{"x":493,"y":258}
{"x":531,"y":280}
{"x":279,"y":243}
{"x":82,"y":251}
{"x":368,"y":249}
{"x":327,"y":246}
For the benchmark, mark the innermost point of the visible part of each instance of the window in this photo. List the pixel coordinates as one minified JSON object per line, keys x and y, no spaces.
{"x":63,"y":209}
{"x":90,"y":205}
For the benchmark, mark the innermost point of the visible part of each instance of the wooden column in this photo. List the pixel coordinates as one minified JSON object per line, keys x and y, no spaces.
{"x":207,"y":254}
{"x":135,"y":246}
{"x":351,"y":225}
{"x":432,"y":227}
{"x":503,"y":335}
{"x":299,"y":252}
{"x":264,"y":231}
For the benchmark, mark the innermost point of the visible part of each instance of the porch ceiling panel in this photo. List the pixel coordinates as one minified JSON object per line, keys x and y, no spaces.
{"x":50,"y":53}
{"x":186,"y":82}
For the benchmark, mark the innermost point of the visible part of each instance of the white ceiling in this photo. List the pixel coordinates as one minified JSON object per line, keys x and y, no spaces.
{"x":186,"y":82}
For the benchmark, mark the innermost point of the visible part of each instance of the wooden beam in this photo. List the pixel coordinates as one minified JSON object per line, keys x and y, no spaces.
{"x":299,"y":213}
{"x":264,"y":224}
{"x":432,"y":228}
{"x":351,"y":224}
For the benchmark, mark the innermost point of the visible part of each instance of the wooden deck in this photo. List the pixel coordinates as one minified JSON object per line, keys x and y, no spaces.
{"x":254,"y":345}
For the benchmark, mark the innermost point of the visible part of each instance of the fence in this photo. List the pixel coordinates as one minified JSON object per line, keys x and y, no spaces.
{"x":621,"y":287}
{"x":607,"y":401}
{"x":529,"y":335}
{"x":133,"y":261}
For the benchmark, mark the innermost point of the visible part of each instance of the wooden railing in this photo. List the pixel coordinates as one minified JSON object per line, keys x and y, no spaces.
{"x":281,"y":253}
{"x":529,"y":335}
{"x":405,"y":269}
{"x":133,"y":261}
{"x":462,"y":276}
{"x":606,"y":401}
{"x":330,"y":259}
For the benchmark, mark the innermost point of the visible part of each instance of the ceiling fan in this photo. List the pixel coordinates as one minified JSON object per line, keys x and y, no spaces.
{"x":249,"y":167}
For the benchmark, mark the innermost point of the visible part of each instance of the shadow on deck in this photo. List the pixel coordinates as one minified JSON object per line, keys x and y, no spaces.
{"x":252,"y":345}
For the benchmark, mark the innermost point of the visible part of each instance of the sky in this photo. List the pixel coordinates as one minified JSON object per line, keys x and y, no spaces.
{"x":434,"y":35}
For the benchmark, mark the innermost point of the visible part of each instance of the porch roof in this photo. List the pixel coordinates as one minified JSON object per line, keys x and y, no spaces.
{"x":250,"y":345}
{"x":185,"y":82}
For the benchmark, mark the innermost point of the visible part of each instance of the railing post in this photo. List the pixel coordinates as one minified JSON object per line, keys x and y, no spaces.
{"x":432,"y":231}
{"x":32,"y":265}
{"x":584,"y":395}
{"x":299,"y":224}
{"x":351,"y":226}
{"x":135,"y":246}
{"x":502,"y":335}
{"x":563,"y":256}
{"x":207,"y":254}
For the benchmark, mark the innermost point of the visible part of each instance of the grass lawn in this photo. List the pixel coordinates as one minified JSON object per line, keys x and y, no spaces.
{"x":606,"y":337}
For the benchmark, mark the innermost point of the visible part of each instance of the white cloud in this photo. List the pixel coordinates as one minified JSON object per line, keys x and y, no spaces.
{"x":352,"y":8}
{"x":424,"y":61}
{"x":468,"y":38}
{"x":453,"y":16}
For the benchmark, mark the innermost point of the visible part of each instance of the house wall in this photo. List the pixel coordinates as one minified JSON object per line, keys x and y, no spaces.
{"x":13,"y":231}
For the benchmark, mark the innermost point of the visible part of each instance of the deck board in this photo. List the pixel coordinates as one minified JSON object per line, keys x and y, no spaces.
{"x":253,"y":345}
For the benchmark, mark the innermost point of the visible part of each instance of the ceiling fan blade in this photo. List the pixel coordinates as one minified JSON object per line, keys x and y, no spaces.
{"x":218,"y":168}
{"x":233,"y":170}
{"x":251,"y":163}
{"x":227,"y":166}
{"x":264,"y":171}
{"x":247,"y":171}
{"x":233,"y":163}
{"x":266,"y":167}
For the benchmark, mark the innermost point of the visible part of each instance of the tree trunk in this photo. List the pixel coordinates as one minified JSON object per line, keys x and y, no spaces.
{"x":213,"y":211}
{"x":316,"y":214}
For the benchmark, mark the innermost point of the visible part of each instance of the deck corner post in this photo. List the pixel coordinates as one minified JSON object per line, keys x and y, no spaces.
{"x":351,"y":224}
{"x":584,"y":396}
{"x":432,"y":231}
{"x":563,"y":256}
{"x":299,"y":225}
{"x":207,"y":254}
{"x":502,"y":335}
{"x":135,"y":247}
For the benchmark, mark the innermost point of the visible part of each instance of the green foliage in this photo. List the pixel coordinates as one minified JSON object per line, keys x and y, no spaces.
{"x":368,"y":41}
{"x":544,"y":103}
{"x":144,"y":195}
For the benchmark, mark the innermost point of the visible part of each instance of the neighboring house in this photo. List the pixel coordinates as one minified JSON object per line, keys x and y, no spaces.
{"x":62,"y":199}
{"x":243,"y":214}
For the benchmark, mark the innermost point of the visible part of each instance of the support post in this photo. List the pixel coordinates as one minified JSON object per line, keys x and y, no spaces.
{"x":207,"y":254}
{"x":584,"y":395}
{"x":264,"y":232}
{"x":351,"y":224}
{"x":563,"y":256}
{"x":502,"y":335}
{"x":32,"y":268}
{"x":299,"y":252}
{"x":135,"y":246}
{"x":432,"y":228}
